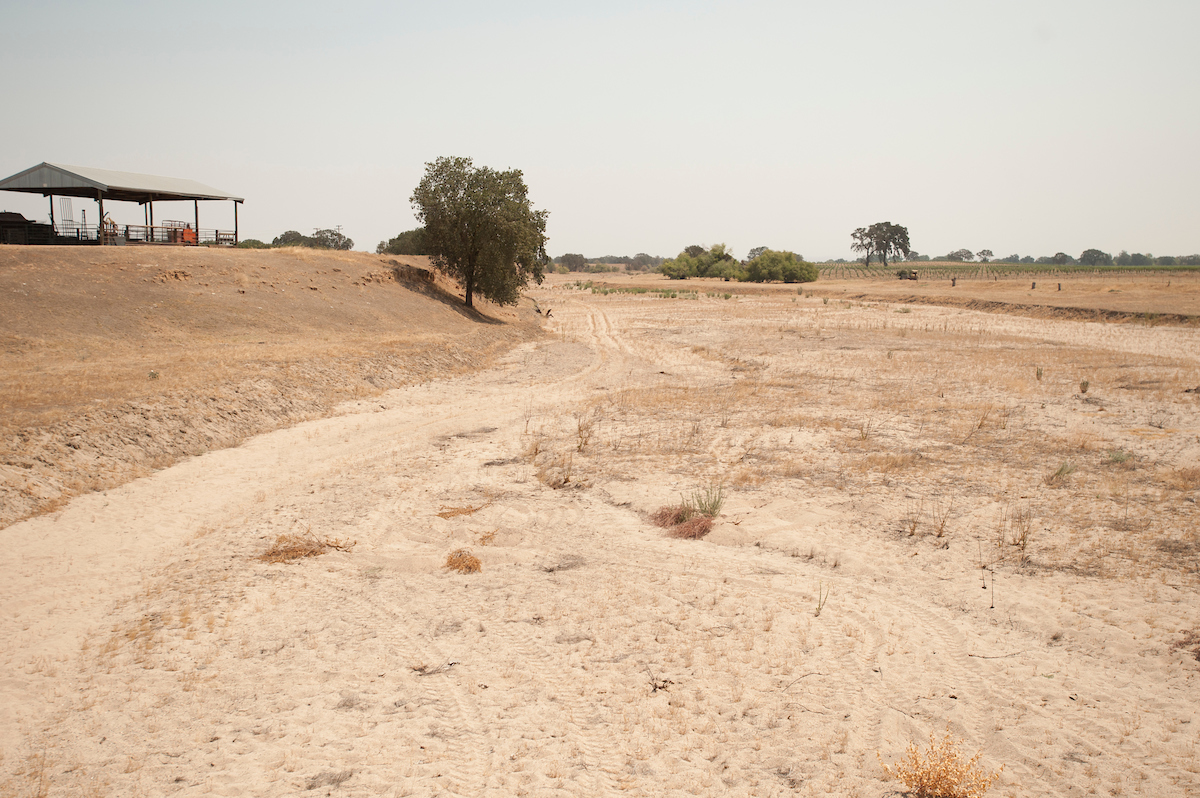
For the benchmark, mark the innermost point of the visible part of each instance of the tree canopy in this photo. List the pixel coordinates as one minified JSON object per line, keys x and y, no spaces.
{"x":787,"y":267}
{"x":882,"y":239}
{"x":481,"y":228}
{"x":410,"y":242}
{"x":696,"y":261}
{"x":320,"y":239}
{"x":1095,"y":257}
{"x":574,"y":261}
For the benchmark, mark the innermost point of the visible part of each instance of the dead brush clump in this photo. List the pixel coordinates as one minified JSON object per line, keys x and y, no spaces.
{"x":942,"y":772}
{"x":292,"y":546}
{"x":463,"y":562}
{"x":692,"y":518}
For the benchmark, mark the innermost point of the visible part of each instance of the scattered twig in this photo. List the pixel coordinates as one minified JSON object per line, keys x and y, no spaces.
{"x":805,"y":676}
{"x":656,"y":683}
{"x":425,"y":670}
{"x":998,"y":656}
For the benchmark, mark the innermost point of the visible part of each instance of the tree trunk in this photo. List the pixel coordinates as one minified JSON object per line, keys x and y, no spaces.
{"x":470,"y":290}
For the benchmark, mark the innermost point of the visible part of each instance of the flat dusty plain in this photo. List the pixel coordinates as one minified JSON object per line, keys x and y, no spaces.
{"x":928,"y":524}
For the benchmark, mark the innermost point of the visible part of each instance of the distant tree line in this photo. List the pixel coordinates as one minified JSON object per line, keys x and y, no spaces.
{"x":321,"y":239}
{"x":574,"y":262}
{"x":760,"y":266}
{"x":1089,"y":257}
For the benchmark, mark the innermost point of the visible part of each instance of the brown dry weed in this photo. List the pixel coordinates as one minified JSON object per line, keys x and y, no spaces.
{"x":463,"y":561}
{"x":292,"y":546}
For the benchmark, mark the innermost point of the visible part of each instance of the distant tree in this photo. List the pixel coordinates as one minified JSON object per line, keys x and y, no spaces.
{"x":1165,"y":260}
{"x":882,"y":239}
{"x":332,"y":239}
{"x":787,"y":267}
{"x":1189,"y":260}
{"x":1138,"y":259}
{"x":1094,"y":257}
{"x":410,"y":242}
{"x":1011,"y":259}
{"x":985,"y":255}
{"x":961,"y":255}
{"x":755,"y":252}
{"x":642,"y":261}
{"x":293,"y":238}
{"x":573,"y":262}
{"x":1062,"y":259}
{"x":695,"y":250}
{"x":1123,"y":259}
{"x":715,"y":262}
{"x":1027,"y":259}
{"x":481,"y":228}
{"x":252,"y":243}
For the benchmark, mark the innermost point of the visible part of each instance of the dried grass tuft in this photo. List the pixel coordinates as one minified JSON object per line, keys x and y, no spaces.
{"x":694,"y":528}
{"x":291,"y":546}
{"x":670,"y":516}
{"x":452,"y":512}
{"x":691,"y":519}
{"x":463,"y":561}
{"x":943,"y":772}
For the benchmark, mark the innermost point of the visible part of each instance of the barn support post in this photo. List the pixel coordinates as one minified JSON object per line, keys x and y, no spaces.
{"x":196,"y":203}
{"x":235,"y":227}
{"x":100,"y":227}
{"x":151,"y":204}
{"x":53,"y":229}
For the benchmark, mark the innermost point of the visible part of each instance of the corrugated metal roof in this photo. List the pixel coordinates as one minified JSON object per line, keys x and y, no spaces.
{"x":85,"y":181}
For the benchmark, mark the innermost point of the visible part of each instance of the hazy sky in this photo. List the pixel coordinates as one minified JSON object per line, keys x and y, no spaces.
{"x":1027,"y":127}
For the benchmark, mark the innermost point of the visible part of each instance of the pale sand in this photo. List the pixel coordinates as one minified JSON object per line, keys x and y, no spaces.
{"x":148,"y":652}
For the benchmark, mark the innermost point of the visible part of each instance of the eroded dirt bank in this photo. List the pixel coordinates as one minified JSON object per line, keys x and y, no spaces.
{"x":117,"y":362}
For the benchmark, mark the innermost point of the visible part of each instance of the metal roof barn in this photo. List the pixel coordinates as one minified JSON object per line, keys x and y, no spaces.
{"x":63,"y":180}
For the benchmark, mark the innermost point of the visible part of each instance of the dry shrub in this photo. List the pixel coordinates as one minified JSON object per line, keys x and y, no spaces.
{"x":294,"y":547}
{"x":691,"y":519}
{"x":943,"y":772}
{"x":694,"y":528}
{"x":670,"y":516}
{"x":1184,"y":479}
{"x":463,"y":561}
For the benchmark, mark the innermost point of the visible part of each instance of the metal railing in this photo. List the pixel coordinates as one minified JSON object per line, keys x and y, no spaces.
{"x":178,"y":233}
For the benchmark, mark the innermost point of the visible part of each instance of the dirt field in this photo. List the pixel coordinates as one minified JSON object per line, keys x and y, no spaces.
{"x":933,"y":518}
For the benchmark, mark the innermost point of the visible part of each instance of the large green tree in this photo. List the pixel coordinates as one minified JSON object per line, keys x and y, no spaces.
{"x":881,"y":239}
{"x":481,"y":228}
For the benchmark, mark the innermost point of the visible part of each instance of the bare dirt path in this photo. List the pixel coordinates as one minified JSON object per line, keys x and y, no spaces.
{"x":148,"y":650}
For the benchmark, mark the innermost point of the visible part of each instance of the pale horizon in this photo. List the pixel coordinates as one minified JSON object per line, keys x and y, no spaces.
{"x":1024,"y":128}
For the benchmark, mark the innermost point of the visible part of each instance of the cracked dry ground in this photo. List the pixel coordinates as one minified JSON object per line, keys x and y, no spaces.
{"x":898,"y":463}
